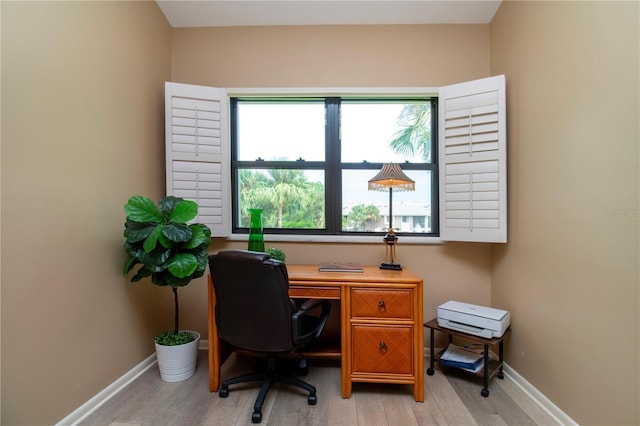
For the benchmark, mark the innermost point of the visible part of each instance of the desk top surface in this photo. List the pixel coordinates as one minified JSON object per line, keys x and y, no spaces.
{"x":370,"y":274}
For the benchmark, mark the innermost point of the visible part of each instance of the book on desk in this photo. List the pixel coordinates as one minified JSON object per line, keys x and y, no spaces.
{"x":340,"y":267}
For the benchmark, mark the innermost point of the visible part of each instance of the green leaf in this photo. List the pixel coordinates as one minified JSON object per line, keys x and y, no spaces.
{"x":161,"y":278}
{"x":129,"y":264}
{"x":156,"y":258}
{"x":152,"y":239}
{"x":207,"y":232}
{"x":142,"y":209}
{"x":171,"y":338}
{"x":132,"y":249}
{"x":143,"y":272}
{"x":165,"y":242}
{"x":168,"y":204}
{"x":198,"y":236}
{"x":277,"y":254}
{"x":202,"y":255}
{"x":177,"y":232}
{"x":137,"y":231}
{"x":184,"y":211}
{"x":166,"y":278}
{"x":183,"y":264}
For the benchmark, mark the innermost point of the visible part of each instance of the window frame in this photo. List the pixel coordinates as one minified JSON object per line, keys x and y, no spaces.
{"x":334,"y":168}
{"x":197,"y":157}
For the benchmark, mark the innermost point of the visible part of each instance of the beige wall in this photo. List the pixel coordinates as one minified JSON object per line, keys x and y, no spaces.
{"x":82,"y":130}
{"x":570,"y":272}
{"x":347,"y":56}
{"x":331,"y":56}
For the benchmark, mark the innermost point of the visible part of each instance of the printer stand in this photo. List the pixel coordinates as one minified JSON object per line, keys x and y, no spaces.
{"x":491,"y":367}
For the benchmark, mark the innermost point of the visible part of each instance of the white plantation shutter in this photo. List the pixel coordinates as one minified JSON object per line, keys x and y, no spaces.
{"x":473,"y":160}
{"x":196,"y":151}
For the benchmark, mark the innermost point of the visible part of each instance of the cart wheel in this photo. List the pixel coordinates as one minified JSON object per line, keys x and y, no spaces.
{"x":500,"y":375}
{"x":430,"y":371}
{"x":484,"y":392}
{"x":224,"y":392}
{"x":256,"y":417}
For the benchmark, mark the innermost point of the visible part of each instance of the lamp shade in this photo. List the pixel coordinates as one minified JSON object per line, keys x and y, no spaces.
{"x":391,"y":176}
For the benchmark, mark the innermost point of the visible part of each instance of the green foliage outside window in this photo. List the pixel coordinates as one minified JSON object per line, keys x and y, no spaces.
{"x":288,"y":199}
{"x":363,"y":217}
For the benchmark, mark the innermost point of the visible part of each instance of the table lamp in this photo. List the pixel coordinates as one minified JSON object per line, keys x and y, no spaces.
{"x":391,"y":177}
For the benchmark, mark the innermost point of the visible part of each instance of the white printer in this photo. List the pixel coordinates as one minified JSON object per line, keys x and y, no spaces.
{"x":473,"y":319}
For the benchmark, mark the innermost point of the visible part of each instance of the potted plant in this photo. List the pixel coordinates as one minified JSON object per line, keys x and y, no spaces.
{"x":171,"y":252}
{"x":277,"y":254}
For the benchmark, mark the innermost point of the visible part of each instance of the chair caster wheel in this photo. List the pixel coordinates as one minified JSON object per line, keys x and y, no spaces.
{"x":312,"y":399}
{"x":223,"y":392}
{"x":430,"y":371}
{"x":256,"y":417}
{"x":500,"y":375}
{"x":484,"y":392}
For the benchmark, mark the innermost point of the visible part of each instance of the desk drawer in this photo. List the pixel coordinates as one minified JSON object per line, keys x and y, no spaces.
{"x":314,"y":292}
{"x":378,"y":303}
{"x":382,"y":349}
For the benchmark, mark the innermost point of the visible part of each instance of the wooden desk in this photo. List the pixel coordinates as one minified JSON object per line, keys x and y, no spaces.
{"x":381,"y":331}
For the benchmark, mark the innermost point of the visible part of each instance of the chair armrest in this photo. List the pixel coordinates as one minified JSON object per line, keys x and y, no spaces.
{"x":309,"y":305}
{"x":297,"y":317}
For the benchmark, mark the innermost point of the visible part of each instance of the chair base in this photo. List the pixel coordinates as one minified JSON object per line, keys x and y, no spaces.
{"x":269,"y":377}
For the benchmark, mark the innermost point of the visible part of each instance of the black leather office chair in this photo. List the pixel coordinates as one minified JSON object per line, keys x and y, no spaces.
{"x":254,"y":312}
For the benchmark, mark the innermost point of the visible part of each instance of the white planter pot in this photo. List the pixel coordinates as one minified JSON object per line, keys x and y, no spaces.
{"x":178,"y":362}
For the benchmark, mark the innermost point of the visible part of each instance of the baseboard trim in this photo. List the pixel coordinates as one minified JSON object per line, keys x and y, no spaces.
{"x":107,"y":393}
{"x":110,"y":391}
{"x":538,"y":397}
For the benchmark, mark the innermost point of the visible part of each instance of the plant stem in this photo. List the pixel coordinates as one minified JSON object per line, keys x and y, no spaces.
{"x":175,"y":301}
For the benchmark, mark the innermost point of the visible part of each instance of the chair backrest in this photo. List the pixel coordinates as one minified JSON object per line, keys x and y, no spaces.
{"x":253,"y":308}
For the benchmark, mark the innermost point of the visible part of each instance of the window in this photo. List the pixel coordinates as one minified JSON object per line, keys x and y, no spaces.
{"x":306,"y":162}
{"x":324,"y":150}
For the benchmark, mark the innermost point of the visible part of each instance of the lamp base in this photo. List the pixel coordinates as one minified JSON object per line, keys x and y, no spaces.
{"x":391,"y":266}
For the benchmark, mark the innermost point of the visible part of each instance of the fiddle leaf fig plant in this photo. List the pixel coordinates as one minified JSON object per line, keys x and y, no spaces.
{"x":170,"y":251}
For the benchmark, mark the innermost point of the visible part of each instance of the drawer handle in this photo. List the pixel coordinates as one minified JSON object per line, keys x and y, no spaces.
{"x":383,"y":347}
{"x":381,"y":306}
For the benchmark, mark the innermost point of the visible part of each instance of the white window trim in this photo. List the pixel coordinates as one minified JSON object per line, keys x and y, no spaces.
{"x":360,"y":239}
{"x":335,"y":91}
{"x":379,"y":92}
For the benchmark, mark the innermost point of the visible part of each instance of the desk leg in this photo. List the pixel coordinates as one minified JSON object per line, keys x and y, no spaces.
{"x":345,"y":342}
{"x":431,"y":353}
{"x":214,"y":342}
{"x":485,"y":390}
{"x":501,"y":355}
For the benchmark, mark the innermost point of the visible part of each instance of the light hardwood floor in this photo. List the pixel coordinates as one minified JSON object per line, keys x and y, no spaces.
{"x":451,"y":399}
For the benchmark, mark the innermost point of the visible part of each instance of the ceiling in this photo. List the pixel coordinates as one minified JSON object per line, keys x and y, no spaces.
{"x":209,"y":13}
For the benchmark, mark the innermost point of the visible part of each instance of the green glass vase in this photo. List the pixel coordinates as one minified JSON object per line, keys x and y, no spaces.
{"x":256,"y":238}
